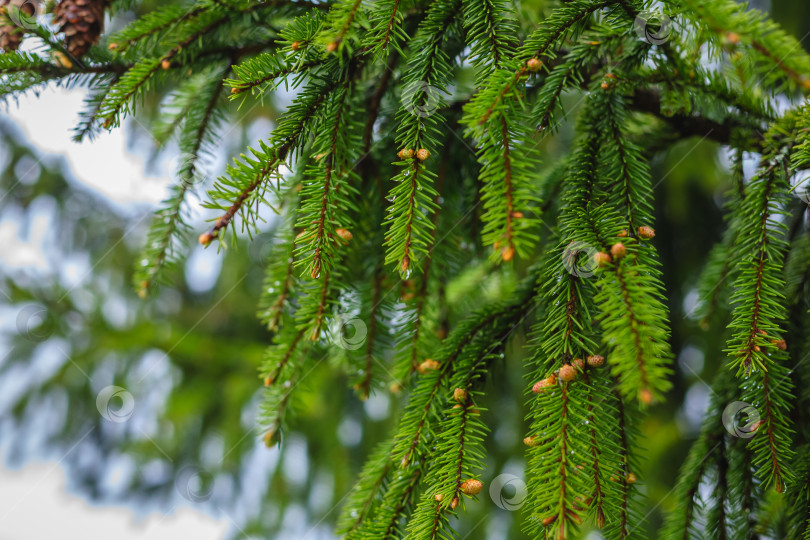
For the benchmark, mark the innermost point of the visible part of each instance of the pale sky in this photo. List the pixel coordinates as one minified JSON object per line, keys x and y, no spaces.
{"x":35,"y":505}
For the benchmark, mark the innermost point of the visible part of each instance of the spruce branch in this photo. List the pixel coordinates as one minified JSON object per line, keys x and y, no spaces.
{"x":761,"y":37}
{"x":365,"y":495}
{"x":413,"y":194}
{"x":153,"y":23}
{"x":386,"y":31}
{"x":201,"y":118}
{"x":681,"y":524}
{"x":243,"y":188}
{"x":280,"y":281}
{"x":397,"y":502}
{"x":479,"y":333}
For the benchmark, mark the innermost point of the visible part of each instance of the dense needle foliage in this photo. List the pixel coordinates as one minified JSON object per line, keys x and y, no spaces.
{"x":411,"y":152}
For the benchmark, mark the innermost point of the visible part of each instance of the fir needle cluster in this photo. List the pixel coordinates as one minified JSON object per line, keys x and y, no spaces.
{"x":410,"y":156}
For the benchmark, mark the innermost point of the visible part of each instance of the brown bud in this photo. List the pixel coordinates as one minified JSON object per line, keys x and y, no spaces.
{"x":604,"y":86}
{"x":205,"y":238}
{"x":757,"y":348}
{"x":395,"y":388}
{"x":62,"y":60}
{"x":422,"y":154}
{"x":235,"y":90}
{"x":405,"y":153}
{"x":471,"y":487}
{"x":517,"y":214}
{"x":781,"y":344}
{"x":623,"y":233}
{"x":545,"y":383}
{"x":618,"y":251}
{"x":345,"y":234}
{"x":631,"y":478}
{"x":268,"y":380}
{"x":295,"y":45}
{"x":601,"y":259}
{"x":534,"y":64}
{"x":610,"y":76}
{"x":406,"y":263}
{"x":270,"y":438}
{"x":460,"y":395}
{"x":595,"y":360}
{"x":112,"y":46}
{"x":405,"y":462}
{"x":645,"y":233}
{"x":732,"y":38}
{"x":438,"y":497}
{"x":454,"y":503}
{"x":332,"y":47}
{"x":531,"y":441}
{"x":427,"y":365}
{"x":578,"y":363}
{"x":166,"y":63}
{"x":457,"y":406}
{"x":568,"y":373}
{"x":549,"y":520}
{"x":645,"y":396}
{"x":507,"y":253}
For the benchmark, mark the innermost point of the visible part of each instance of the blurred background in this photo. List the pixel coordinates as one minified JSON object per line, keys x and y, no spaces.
{"x":130,"y":418}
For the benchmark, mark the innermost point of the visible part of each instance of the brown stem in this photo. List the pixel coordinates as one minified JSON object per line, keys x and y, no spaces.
{"x":507,"y":166}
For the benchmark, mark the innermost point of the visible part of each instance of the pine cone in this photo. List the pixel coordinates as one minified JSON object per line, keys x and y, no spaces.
{"x":14,"y":23}
{"x":82,"y":22}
